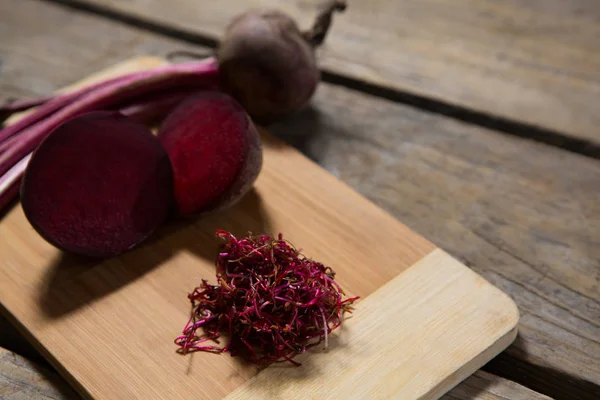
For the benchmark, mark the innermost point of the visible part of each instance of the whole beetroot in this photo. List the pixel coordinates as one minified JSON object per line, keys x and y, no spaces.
{"x":268,"y":64}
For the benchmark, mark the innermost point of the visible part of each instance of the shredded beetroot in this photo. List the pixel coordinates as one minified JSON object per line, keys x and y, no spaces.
{"x":271,"y":301}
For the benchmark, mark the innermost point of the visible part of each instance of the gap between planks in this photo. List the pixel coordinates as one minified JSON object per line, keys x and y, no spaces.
{"x":495,"y":122}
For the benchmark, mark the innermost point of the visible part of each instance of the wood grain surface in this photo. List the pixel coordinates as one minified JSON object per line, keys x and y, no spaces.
{"x":21,"y":379}
{"x":536,"y":62}
{"x":522,"y":214}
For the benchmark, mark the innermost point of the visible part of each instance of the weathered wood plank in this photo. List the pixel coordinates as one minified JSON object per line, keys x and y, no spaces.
{"x":536,"y":62}
{"x":484,"y":386}
{"x":12,"y":340}
{"x":522,"y":214}
{"x":21,"y":379}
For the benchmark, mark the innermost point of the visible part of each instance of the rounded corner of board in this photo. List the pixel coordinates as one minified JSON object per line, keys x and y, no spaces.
{"x":510,"y":311}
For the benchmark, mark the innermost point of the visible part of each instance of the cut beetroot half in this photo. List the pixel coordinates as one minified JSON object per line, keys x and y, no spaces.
{"x":215,"y":152}
{"x":98,"y":185}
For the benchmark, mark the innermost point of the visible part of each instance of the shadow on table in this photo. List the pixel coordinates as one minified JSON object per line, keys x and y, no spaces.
{"x":300,"y":130}
{"x":68,"y":285}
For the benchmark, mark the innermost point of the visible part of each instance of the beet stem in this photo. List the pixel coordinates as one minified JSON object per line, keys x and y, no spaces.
{"x":316,"y":35}
{"x":59,"y":101}
{"x":155,"y":108}
{"x":187,"y":74}
{"x":16,"y":106}
{"x":11,"y":180}
{"x":51,"y":105}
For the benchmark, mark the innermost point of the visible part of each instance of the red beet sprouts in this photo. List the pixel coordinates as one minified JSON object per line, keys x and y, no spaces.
{"x":271,"y":301}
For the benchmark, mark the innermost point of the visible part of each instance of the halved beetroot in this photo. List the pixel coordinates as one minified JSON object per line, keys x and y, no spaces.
{"x":98,"y":185}
{"x":215,"y":152}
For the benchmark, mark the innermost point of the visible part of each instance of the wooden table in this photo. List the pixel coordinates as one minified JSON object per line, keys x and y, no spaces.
{"x":476,"y":123}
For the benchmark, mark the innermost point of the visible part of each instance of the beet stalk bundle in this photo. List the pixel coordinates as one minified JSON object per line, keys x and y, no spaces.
{"x":270,"y":301}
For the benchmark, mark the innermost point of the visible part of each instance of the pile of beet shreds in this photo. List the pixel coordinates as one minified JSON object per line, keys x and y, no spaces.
{"x":271,"y":302}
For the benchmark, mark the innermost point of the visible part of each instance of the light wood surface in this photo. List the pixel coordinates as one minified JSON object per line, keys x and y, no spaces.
{"x":109,"y":327}
{"x":446,"y":180}
{"x":532,"y":61}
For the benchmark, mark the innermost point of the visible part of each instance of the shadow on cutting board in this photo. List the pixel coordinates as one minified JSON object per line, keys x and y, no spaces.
{"x":285,"y":377}
{"x":66,"y":289}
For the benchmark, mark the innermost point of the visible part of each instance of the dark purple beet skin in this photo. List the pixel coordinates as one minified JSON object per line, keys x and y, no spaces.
{"x":98,"y":185}
{"x":215,"y":152}
{"x":267,"y":65}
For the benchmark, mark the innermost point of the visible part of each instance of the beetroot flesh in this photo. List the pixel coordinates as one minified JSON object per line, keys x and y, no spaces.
{"x":98,"y":185}
{"x":215,"y":152}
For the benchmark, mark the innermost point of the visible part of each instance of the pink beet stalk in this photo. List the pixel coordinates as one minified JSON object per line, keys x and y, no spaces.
{"x":22,"y":105}
{"x":155,"y":108}
{"x":11,"y":180}
{"x":53,"y":104}
{"x":146,"y":111}
{"x":50,"y":105}
{"x":197,"y":74}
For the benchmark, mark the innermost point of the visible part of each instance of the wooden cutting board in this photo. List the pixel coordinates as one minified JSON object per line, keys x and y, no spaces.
{"x":424,"y":323}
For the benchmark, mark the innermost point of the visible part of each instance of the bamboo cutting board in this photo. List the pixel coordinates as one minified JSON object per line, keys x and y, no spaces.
{"x":424,"y":322}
